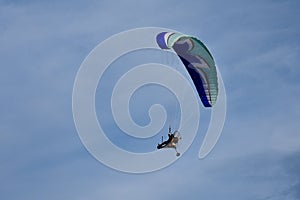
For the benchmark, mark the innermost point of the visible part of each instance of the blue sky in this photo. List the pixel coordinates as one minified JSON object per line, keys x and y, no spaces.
{"x":255,"y":45}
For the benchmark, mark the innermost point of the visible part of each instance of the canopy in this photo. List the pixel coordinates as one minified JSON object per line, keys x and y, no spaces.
{"x":197,"y":60}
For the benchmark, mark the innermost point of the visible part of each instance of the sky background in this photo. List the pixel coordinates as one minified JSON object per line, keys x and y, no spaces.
{"x":256,"y":47}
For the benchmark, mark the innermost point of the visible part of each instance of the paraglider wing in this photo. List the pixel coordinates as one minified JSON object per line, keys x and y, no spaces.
{"x":197,"y":60}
